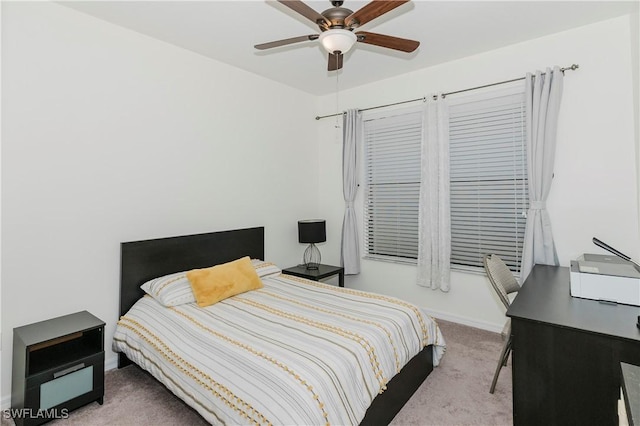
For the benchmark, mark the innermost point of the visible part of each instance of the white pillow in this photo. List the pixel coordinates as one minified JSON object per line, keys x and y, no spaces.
{"x":265,"y":269}
{"x":175,"y":289}
{"x":170,"y":290}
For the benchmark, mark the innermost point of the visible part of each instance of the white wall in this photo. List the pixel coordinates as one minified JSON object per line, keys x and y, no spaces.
{"x":595,"y":187}
{"x":635,"y":59}
{"x":111,"y":136}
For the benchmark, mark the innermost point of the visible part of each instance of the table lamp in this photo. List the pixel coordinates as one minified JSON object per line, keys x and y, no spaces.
{"x":312,"y":231}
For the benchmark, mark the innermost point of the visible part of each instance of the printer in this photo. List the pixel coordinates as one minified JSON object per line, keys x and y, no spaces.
{"x":606,"y":278}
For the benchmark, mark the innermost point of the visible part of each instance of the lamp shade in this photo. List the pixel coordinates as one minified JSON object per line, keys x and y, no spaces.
{"x":312,"y":231}
{"x":338,"y":40}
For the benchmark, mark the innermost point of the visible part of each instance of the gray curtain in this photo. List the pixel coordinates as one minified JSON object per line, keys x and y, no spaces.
{"x":543,"y":95}
{"x":434,"y":217}
{"x":351,"y":135}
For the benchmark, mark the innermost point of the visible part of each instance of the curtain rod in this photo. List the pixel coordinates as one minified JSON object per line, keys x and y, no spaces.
{"x":424,"y":98}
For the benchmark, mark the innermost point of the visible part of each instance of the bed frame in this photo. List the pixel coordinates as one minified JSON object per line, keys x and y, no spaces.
{"x":144,"y":260}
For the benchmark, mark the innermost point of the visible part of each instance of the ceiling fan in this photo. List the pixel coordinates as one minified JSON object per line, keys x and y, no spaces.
{"x":337,"y":26}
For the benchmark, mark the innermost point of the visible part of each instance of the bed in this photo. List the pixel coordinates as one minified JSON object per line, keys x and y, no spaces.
{"x":344,"y":376}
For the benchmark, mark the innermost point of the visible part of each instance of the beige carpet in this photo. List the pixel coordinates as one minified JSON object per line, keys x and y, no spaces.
{"x":456,"y":392}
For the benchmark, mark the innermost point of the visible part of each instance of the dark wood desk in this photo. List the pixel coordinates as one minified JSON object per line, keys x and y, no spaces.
{"x":567,"y":352}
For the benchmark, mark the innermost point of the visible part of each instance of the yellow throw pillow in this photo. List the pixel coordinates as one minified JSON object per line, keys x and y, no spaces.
{"x":211,"y":285}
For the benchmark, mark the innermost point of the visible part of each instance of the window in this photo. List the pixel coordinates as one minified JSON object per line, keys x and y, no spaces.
{"x":488,"y":177}
{"x":489,"y":190}
{"x":392,"y":175}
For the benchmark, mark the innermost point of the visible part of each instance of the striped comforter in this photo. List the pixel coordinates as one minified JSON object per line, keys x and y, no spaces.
{"x":294,"y":352}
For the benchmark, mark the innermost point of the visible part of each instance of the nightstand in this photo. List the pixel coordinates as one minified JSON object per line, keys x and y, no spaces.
{"x":323,"y":271}
{"x":58,"y":365}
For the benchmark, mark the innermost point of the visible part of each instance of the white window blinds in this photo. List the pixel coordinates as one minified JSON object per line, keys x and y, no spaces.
{"x":489,"y":189}
{"x":488,"y":180}
{"x":392,"y":175}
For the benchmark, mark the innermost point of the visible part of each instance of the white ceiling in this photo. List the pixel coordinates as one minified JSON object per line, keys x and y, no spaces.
{"x":447,"y":30}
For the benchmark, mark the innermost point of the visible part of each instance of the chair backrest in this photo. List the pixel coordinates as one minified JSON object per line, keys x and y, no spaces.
{"x":501,"y":278}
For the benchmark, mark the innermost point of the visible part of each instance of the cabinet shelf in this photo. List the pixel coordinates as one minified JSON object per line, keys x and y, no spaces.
{"x":52,"y":354}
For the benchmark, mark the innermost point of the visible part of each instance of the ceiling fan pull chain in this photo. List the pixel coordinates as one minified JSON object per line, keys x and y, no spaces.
{"x":337,"y":125}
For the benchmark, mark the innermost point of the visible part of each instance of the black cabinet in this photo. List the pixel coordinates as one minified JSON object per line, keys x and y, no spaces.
{"x":323,"y":271}
{"x":58,"y":365}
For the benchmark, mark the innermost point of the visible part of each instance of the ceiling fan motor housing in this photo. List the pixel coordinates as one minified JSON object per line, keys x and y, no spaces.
{"x":337,"y":15}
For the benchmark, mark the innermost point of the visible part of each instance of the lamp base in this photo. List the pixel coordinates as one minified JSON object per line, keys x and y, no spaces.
{"x":311,"y":257}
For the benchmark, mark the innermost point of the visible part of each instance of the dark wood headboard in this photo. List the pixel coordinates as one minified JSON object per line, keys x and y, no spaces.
{"x":141,"y":261}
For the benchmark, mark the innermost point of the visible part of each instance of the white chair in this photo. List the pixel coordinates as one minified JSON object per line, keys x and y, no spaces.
{"x":504,"y":283}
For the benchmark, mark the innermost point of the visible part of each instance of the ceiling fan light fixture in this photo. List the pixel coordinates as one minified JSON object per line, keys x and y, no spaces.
{"x":338,"y":40}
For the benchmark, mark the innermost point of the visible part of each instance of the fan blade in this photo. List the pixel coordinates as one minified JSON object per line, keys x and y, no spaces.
{"x":371,"y":11}
{"x":390,"y":42}
{"x":335,"y":61}
{"x":306,"y":11}
{"x":286,"y":41}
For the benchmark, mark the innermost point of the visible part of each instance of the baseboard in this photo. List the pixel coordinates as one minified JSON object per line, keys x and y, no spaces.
{"x":483,"y":325}
{"x":109,"y":364}
{"x":5,"y":402}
